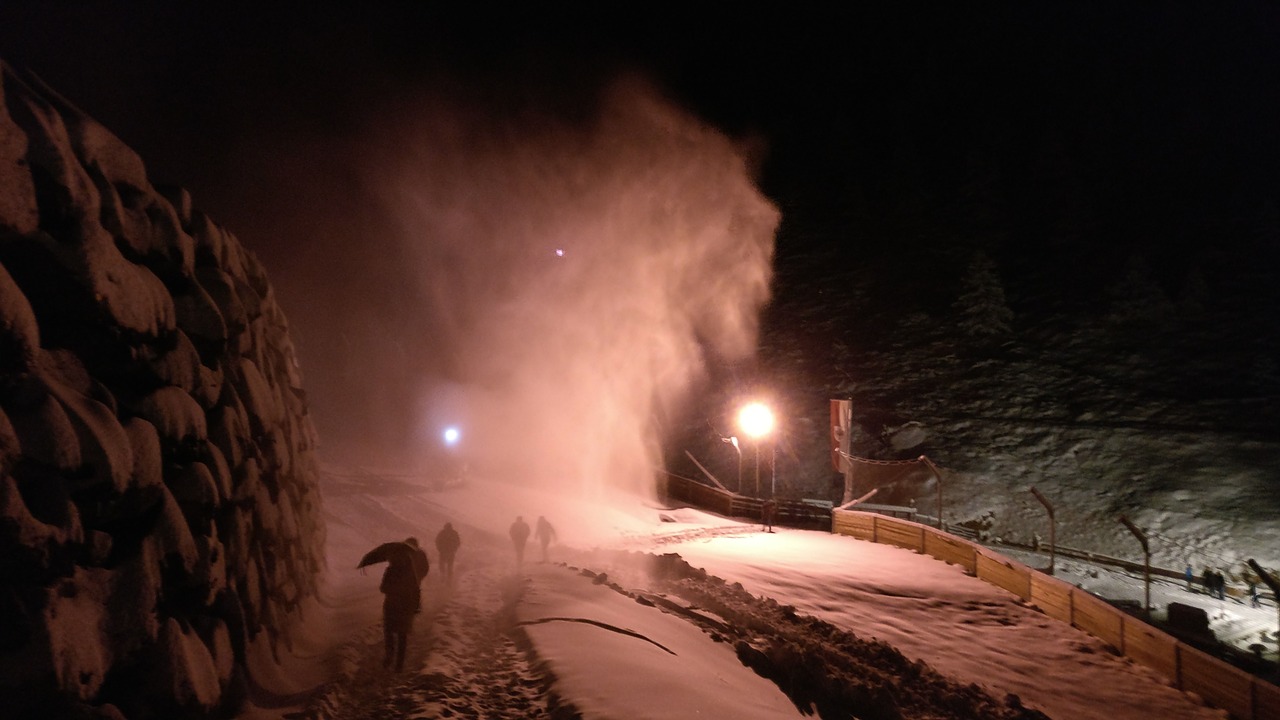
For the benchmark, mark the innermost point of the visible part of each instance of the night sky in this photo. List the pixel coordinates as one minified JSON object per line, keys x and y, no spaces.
{"x":1061,"y":137}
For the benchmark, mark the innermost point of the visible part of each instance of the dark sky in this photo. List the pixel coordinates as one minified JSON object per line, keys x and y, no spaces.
{"x":1138,"y":91}
{"x":1156,"y":122}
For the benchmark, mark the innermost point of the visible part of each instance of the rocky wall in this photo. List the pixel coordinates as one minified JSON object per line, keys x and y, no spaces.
{"x":159,"y":508}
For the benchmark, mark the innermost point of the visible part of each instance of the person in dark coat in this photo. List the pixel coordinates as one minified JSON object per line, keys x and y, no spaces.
{"x":401,"y":600}
{"x":767,"y":511}
{"x":447,"y":543}
{"x":519,"y":535}
{"x":545,"y":534}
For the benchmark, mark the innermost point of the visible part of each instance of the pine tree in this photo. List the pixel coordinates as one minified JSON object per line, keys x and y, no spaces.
{"x":981,"y":305}
{"x":1138,"y":302}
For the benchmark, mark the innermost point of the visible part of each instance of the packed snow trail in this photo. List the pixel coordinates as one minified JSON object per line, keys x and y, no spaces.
{"x":464,"y":659}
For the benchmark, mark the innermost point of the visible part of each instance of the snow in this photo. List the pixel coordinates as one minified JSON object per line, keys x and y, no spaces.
{"x":593,"y":631}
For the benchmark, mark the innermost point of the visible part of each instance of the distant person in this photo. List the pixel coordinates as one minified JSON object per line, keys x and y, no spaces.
{"x":545,"y":534}
{"x":1220,"y":583}
{"x":767,"y":510}
{"x":1207,"y":580}
{"x":1253,"y":594}
{"x":1191,"y":577}
{"x":1214,"y":583}
{"x":519,"y":535}
{"x":421,"y":566}
{"x":447,"y":543}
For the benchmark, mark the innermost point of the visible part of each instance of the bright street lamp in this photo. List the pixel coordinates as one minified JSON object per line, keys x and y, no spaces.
{"x":756,"y":420}
{"x":452,"y":435}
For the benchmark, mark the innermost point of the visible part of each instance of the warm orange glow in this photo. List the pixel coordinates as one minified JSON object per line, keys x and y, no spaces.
{"x":756,"y":419}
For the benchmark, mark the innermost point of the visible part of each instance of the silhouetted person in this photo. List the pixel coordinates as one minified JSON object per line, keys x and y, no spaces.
{"x":1253,"y":594}
{"x":421,"y":566}
{"x":447,"y":542}
{"x":767,"y":511}
{"x":401,"y":601}
{"x":519,"y":535}
{"x":1207,"y":581}
{"x":545,"y":534}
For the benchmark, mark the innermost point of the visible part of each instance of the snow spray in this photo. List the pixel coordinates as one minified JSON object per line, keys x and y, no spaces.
{"x":577,"y":272}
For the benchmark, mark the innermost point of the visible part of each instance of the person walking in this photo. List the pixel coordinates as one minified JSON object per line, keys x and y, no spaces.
{"x":401,"y":600}
{"x":447,"y":543}
{"x":545,"y":534}
{"x":1191,"y":577}
{"x":519,"y":535}
{"x":767,"y":510}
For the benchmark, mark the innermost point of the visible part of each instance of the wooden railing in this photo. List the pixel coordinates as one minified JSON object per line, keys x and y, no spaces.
{"x":1244,"y":696}
{"x":790,"y":513}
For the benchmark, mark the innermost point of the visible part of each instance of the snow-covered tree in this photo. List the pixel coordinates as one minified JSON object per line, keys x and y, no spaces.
{"x":981,"y":306}
{"x":1138,"y":302}
{"x":1194,"y":298}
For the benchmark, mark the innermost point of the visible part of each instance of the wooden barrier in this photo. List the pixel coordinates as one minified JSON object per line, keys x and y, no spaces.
{"x":858,"y":525}
{"x":951,"y":549}
{"x":1266,"y":700}
{"x":1094,"y":616}
{"x":1242,"y":695}
{"x":1053,"y":597}
{"x":1005,"y":573}
{"x":1151,"y":647}
{"x":1223,"y":685}
{"x":787,"y":512}
{"x":902,"y":533}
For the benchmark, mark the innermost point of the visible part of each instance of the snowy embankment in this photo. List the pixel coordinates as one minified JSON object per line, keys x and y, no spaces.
{"x":160,"y":526}
{"x":616,"y":625}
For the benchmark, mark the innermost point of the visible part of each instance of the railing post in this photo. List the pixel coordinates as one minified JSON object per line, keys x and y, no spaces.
{"x":1053,"y":540}
{"x":1146,"y":563}
{"x":937,"y":475}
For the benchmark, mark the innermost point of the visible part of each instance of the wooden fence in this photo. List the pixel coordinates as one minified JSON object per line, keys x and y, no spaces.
{"x":1244,"y":696}
{"x":787,"y":512}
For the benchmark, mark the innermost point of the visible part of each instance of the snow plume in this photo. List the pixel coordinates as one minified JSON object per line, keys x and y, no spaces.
{"x":576,"y":273}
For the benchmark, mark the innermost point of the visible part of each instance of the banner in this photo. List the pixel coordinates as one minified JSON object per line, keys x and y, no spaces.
{"x":841,"y":419}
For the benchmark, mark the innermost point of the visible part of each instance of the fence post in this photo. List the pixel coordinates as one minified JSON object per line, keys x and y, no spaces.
{"x":1053,"y":540}
{"x":1146,"y":563}
{"x":924,"y":459}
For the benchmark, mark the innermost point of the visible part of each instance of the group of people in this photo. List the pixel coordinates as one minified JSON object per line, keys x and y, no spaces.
{"x":519,"y":533}
{"x":1215,"y":583}
{"x":407,"y":567}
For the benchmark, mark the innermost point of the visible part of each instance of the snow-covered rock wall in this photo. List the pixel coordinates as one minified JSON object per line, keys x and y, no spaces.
{"x":159,"y":511}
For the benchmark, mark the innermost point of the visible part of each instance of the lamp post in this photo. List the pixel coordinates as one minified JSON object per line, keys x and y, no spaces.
{"x":756,"y":420}
{"x":733,"y":440}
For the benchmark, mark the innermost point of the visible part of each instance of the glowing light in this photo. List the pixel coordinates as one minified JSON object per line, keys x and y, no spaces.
{"x":452,"y":435}
{"x":559,"y":252}
{"x":755,"y":419}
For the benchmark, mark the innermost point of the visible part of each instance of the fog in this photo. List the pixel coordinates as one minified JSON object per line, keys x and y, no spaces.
{"x":571,"y":276}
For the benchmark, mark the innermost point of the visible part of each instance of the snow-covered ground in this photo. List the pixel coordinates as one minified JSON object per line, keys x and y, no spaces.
{"x":615,"y":625}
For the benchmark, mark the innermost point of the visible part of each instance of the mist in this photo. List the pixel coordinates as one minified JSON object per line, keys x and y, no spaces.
{"x":571,"y":276}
